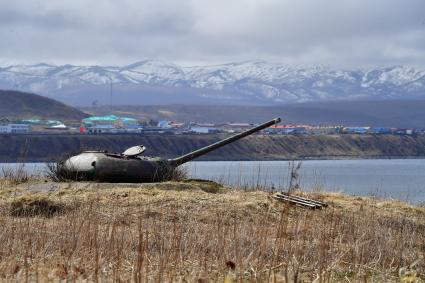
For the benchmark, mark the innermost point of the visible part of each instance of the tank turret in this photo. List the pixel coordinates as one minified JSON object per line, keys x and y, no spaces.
{"x":131,"y":166}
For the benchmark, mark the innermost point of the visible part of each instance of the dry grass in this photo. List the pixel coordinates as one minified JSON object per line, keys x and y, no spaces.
{"x":28,"y":206}
{"x":14,"y":176}
{"x":196,"y":231}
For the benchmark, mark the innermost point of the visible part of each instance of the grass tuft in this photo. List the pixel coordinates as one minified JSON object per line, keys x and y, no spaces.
{"x":15,"y":176}
{"x":176,"y":174}
{"x":56,"y":172}
{"x":30,"y":206}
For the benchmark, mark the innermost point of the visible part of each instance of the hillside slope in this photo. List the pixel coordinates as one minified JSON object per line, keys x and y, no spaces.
{"x":16,"y":104}
{"x":258,"y":147}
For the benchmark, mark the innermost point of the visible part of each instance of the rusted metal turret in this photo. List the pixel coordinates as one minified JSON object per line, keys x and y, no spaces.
{"x":131,"y":166}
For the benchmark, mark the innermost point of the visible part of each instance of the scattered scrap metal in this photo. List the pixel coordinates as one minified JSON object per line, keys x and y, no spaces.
{"x":306,"y":202}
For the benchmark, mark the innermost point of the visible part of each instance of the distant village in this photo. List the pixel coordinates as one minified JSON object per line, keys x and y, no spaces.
{"x":112,"y":124}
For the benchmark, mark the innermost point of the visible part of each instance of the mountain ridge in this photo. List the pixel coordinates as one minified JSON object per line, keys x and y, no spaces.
{"x":249,"y":82}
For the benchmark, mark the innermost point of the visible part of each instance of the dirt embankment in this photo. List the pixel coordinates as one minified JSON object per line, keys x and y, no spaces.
{"x":259,"y":147}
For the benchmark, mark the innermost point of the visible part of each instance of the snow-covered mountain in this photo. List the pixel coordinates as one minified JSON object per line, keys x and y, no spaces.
{"x":252,"y":82}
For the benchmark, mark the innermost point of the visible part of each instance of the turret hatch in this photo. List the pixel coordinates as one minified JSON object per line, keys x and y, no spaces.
{"x":134,"y":151}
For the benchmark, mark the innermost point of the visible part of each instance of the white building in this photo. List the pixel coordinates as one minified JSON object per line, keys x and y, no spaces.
{"x":203,"y":130}
{"x":4,"y":129}
{"x":14,"y":129}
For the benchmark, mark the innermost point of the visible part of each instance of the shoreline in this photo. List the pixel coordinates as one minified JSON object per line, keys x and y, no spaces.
{"x":48,"y":148}
{"x":327,"y":158}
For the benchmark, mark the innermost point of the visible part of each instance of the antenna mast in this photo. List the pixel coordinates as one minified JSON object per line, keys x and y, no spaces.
{"x":110,"y":93}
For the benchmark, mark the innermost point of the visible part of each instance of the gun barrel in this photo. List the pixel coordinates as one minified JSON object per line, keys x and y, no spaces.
{"x":194,"y":154}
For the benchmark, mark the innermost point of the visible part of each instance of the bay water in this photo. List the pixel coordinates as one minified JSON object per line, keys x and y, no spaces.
{"x":402,"y":179}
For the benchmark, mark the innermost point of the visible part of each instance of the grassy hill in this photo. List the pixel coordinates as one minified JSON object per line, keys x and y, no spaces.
{"x":16,"y":104}
{"x":197,"y":231}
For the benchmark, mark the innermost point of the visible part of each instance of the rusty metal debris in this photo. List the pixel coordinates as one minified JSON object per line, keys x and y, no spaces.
{"x":306,"y":202}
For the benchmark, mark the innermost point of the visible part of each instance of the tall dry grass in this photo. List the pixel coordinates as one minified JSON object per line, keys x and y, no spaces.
{"x":286,"y":177}
{"x":15,"y":175}
{"x":176,"y":232}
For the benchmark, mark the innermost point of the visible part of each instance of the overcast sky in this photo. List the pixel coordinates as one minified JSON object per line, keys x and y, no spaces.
{"x":339,"y":33}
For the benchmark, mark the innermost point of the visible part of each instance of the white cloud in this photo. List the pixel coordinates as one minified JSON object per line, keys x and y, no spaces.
{"x":350,"y":33}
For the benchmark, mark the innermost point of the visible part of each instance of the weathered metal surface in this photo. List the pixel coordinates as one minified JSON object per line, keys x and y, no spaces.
{"x":194,"y":154}
{"x":134,"y":151}
{"x":130,"y":166}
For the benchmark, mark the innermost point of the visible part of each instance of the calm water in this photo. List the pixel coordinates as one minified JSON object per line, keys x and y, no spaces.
{"x":402,"y":179}
{"x":391,"y":178}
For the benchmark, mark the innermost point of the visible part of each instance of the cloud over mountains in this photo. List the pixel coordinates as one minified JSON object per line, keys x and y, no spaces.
{"x":353,"y":33}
